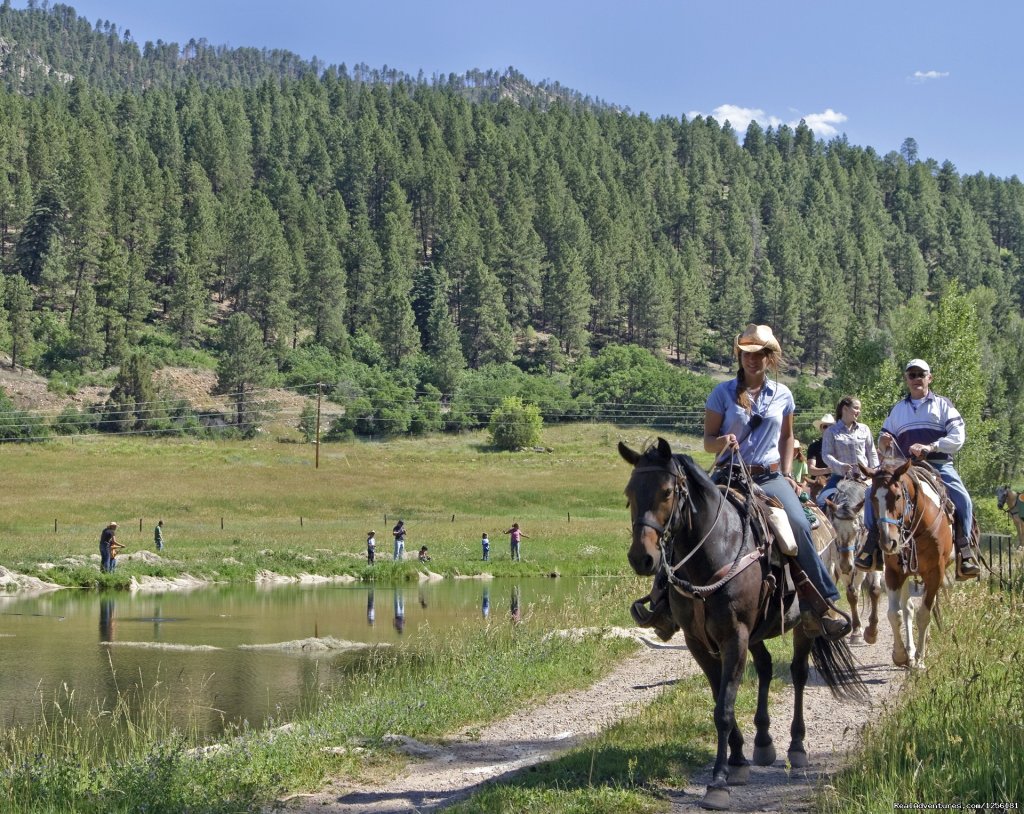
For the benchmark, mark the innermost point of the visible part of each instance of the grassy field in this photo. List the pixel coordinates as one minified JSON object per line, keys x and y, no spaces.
{"x":960,"y":721}
{"x":282,"y":514}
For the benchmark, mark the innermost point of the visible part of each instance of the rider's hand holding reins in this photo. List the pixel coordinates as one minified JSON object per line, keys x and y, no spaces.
{"x":920,"y":450}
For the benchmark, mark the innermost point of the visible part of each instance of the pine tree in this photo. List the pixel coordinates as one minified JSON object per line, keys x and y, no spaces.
{"x":244,"y":367}
{"x":19,"y":319}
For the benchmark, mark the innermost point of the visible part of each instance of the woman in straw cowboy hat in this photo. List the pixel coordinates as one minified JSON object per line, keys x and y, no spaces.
{"x":752,"y":416}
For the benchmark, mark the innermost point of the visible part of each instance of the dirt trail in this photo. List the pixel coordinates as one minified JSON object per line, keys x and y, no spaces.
{"x":443,"y":775}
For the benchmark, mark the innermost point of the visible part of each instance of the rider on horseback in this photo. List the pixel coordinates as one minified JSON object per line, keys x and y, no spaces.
{"x":927,"y":427}
{"x":752,"y":416}
{"x":846,"y":446}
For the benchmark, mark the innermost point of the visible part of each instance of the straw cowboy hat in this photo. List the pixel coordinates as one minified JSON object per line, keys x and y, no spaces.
{"x":826,"y":420}
{"x":111,"y":525}
{"x":796,"y":444}
{"x":756,"y":338}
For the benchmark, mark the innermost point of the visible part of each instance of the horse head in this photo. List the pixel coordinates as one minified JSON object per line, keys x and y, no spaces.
{"x":1002,"y":495}
{"x":655,"y":495}
{"x":891,"y":505}
{"x":845,"y":511}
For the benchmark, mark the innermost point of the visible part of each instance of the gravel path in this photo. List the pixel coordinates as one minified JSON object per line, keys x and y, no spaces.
{"x":443,"y":775}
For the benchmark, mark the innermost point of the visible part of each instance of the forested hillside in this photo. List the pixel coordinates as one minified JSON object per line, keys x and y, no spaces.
{"x":200,"y":202}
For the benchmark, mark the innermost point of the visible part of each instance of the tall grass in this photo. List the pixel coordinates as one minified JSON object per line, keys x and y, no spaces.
{"x":956,"y":733}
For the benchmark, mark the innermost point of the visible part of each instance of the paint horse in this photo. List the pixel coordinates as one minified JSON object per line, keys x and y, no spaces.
{"x":916,"y":538}
{"x":1012,"y":503}
{"x":727,"y":600}
{"x":846,"y":511}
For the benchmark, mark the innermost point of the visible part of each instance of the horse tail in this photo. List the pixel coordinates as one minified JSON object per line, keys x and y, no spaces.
{"x":835,"y":663}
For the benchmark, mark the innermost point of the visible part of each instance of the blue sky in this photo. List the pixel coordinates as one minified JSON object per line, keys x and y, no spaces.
{"x":943,"y":72}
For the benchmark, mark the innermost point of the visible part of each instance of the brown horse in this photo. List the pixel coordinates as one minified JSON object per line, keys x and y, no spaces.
{"x":1012,"y":503}
{"x":846,"y":511}
{"x":916,"y":536}
{"x":724,"y":597}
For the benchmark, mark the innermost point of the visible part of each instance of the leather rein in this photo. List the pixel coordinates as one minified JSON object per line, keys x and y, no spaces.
{"x":682,"y":516}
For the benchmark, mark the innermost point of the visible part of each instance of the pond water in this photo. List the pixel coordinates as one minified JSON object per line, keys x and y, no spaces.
{"x":201,"y":650}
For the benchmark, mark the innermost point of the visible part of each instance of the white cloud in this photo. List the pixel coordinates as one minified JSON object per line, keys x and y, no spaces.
{"x":920,"y":77}
{"x":823,"y":124}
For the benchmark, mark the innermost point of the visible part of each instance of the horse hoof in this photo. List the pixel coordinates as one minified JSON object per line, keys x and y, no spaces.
{"x":764,"y":755}
{"x":798,"y":760}
{"x":739,"y":775}
{"x":901,"y":662}
{"x":716,"y":799}
{"x":871,"y":635}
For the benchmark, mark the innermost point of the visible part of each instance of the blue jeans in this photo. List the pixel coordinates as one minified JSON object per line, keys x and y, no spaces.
{"x":399,"y":549}
{"x":957,"y":493}
{"x":831,"y":483}
{"x":487,"y":552}
{"x":515,"y":551}
{"x":106,"y":561}
{"x":777,"y":486}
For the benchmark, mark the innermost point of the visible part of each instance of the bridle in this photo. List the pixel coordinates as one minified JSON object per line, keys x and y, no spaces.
{"x":910,"y":521}
{"x":682,"y":517}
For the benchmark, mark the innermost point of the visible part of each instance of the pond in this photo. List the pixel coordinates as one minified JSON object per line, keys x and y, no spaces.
{"x":220,"y":655}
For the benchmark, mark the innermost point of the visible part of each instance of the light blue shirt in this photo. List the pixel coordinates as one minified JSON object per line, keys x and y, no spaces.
{"x":758,"y":447}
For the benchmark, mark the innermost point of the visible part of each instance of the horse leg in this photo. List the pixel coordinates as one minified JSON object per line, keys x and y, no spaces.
{"x":797,"y":754}
{"x":899,"y":618}
{"x":898,"y":612}
{"x":733,"y":660}
{"x":873,"y":581}
{"x":932,"y":582}
{"x":852,"y":581}
{"x":764,"y":748}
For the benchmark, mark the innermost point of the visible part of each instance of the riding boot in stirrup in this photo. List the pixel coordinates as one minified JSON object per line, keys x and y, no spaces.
{"x":966,"y":566}
{"x":869,"y":559}
{"x":659,"y":616}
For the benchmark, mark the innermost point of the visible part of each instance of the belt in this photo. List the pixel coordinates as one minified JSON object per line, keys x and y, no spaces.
{"x":756,"y":471}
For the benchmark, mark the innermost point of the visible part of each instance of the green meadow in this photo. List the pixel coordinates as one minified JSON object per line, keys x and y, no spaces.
{"x":957,"y":733}
{"x":233,"y":508}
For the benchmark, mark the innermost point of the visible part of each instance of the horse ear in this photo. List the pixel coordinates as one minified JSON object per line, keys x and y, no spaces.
{"x":859,"y":506}
{"x":866,"y":471}
{"x":664,"y":450}
{"x":902,"y":469}
{"x":628,"y":455}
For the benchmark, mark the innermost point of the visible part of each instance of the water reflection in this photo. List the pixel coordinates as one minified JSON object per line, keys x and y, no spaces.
{"x":399,"y":613}
{"x":106,"y":620}
{"x":208,"y":680}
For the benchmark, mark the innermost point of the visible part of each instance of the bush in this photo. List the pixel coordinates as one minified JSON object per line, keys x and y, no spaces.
{"x":515,"y":425}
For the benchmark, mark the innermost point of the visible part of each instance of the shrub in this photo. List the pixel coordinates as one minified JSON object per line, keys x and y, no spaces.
{"x":515,"y":425}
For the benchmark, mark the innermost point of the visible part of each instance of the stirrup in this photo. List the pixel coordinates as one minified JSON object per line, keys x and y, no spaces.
{"x":866,"y":561}
{"x":966,"y":569}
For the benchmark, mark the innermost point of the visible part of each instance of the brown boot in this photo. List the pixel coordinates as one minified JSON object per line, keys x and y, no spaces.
{"x":832,"y":625}
{"x":966,"y":566}
{"x":654,"y":610}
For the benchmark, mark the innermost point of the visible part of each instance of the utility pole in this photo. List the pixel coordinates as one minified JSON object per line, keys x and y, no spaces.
{"x":319,"y":387}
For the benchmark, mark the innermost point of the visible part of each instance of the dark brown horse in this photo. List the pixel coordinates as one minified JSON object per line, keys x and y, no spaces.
{"x":683,"y":525}
{"x":916,"y":536}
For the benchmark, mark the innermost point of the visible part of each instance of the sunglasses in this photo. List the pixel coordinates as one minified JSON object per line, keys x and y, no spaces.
{"x":916,"y":374}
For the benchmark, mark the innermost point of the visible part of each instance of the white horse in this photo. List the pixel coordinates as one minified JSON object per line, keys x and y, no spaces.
{"x":846,"y":511}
